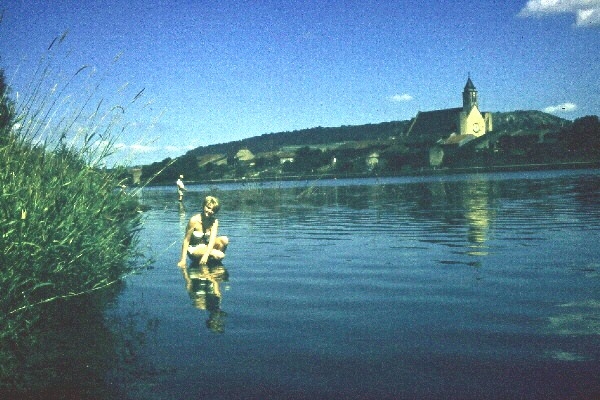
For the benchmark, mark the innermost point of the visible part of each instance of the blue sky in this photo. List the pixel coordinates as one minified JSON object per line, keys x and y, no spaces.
{"x":217,"y":71}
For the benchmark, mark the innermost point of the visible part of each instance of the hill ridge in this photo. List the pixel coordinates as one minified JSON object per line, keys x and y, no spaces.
{"x":503,"y":122}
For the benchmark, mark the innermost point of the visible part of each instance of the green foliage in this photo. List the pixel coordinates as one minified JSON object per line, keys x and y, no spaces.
{"x":526,"y":121}
{"x":583,"y":135}
{"x":6,"y":109}
{"x":164,"y":171}
{"x":307,"y":160}
{"x":65,"y":227}
{"x":306,"y":137}
{"x":519,"y":137}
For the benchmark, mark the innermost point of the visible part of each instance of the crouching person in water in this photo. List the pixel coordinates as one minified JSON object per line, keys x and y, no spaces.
{"x":201,"y":241}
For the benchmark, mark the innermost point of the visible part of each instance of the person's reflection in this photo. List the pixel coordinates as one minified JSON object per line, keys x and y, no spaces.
{"x":182,"y":218}
{"x":203,"y":284}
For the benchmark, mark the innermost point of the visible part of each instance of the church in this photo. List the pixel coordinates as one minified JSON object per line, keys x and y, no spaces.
{"x":452,"y":126}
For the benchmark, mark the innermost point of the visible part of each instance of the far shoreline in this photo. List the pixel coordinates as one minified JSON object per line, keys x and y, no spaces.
{"x":416,"y":172}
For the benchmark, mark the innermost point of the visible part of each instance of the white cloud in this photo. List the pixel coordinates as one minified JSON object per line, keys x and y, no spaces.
{"x":565,"y":107}
{"x":399,"y":98}
{"x":140,"y":148}
{"x":587,"y":12}
{"x":589,"y":17}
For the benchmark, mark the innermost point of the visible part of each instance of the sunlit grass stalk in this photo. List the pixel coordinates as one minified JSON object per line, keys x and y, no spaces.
{"x":65,"y":228}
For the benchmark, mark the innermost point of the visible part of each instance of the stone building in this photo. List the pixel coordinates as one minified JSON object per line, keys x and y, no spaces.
{"x":450,"y":127}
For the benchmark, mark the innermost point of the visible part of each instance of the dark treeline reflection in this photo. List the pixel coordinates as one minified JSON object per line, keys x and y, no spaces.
{"x":73,"y":353}
{"x":449,"y":204}
{"x":456,"y":212}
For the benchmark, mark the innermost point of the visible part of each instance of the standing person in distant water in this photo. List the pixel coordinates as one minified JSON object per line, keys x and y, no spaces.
{"x":180,"y":187}
{"x":201,"y":241}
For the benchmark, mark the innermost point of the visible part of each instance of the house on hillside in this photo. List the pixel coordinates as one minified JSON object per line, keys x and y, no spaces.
{"x":285,"y":156}
{"x":452,"y":127}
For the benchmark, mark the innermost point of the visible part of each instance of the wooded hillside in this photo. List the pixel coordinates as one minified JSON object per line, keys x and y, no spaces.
{"x":383,"y":149}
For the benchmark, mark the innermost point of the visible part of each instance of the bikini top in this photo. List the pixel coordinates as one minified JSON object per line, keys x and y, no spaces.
{"x":199,"y":236}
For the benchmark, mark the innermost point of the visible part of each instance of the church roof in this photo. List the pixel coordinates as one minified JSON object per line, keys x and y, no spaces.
{"x":439,"y":123}
{"x":469,"y":85}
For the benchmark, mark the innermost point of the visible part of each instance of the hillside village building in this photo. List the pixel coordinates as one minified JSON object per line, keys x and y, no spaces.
{"x":450,"y":127}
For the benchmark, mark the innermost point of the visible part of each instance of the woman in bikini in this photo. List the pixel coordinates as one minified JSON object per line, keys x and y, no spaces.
{"x":201,"y":241}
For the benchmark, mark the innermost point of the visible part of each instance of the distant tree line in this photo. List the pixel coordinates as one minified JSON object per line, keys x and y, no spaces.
{"x":383,"y":149}
{"x":582,"y":136}
{"x":307,"y":137}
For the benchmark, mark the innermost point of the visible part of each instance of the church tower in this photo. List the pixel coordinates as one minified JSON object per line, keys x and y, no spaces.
{"x":471,"y":120}
{"x":469,"y":96}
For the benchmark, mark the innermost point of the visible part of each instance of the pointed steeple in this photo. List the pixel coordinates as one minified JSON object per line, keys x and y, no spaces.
{"x":469,"y":96}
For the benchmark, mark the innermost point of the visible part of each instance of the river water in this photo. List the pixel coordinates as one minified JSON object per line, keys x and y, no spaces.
{"x":462,"y":286}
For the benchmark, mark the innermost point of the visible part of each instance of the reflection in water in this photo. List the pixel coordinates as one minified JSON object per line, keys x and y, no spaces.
{"x":478,"y":215}
{"x":579,"y":318}
{"x":464,"y":208}
{"x":182,"y":219}
{"x":69,"y":355}
{"x":411,"y":315}
{"x":203,"y":284}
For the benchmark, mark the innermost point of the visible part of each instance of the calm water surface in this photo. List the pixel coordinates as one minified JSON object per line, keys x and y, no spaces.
{"x":467,"y":286}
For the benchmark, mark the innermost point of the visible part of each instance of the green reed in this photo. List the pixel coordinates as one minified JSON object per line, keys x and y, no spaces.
{"x":66,"y":228}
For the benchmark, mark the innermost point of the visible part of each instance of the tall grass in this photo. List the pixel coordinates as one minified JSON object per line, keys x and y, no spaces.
{"x":66,"y":230}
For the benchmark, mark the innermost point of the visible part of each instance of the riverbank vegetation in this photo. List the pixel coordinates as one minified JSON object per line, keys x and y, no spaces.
{"x":67,"y":229}
{"x":520,"y":140}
